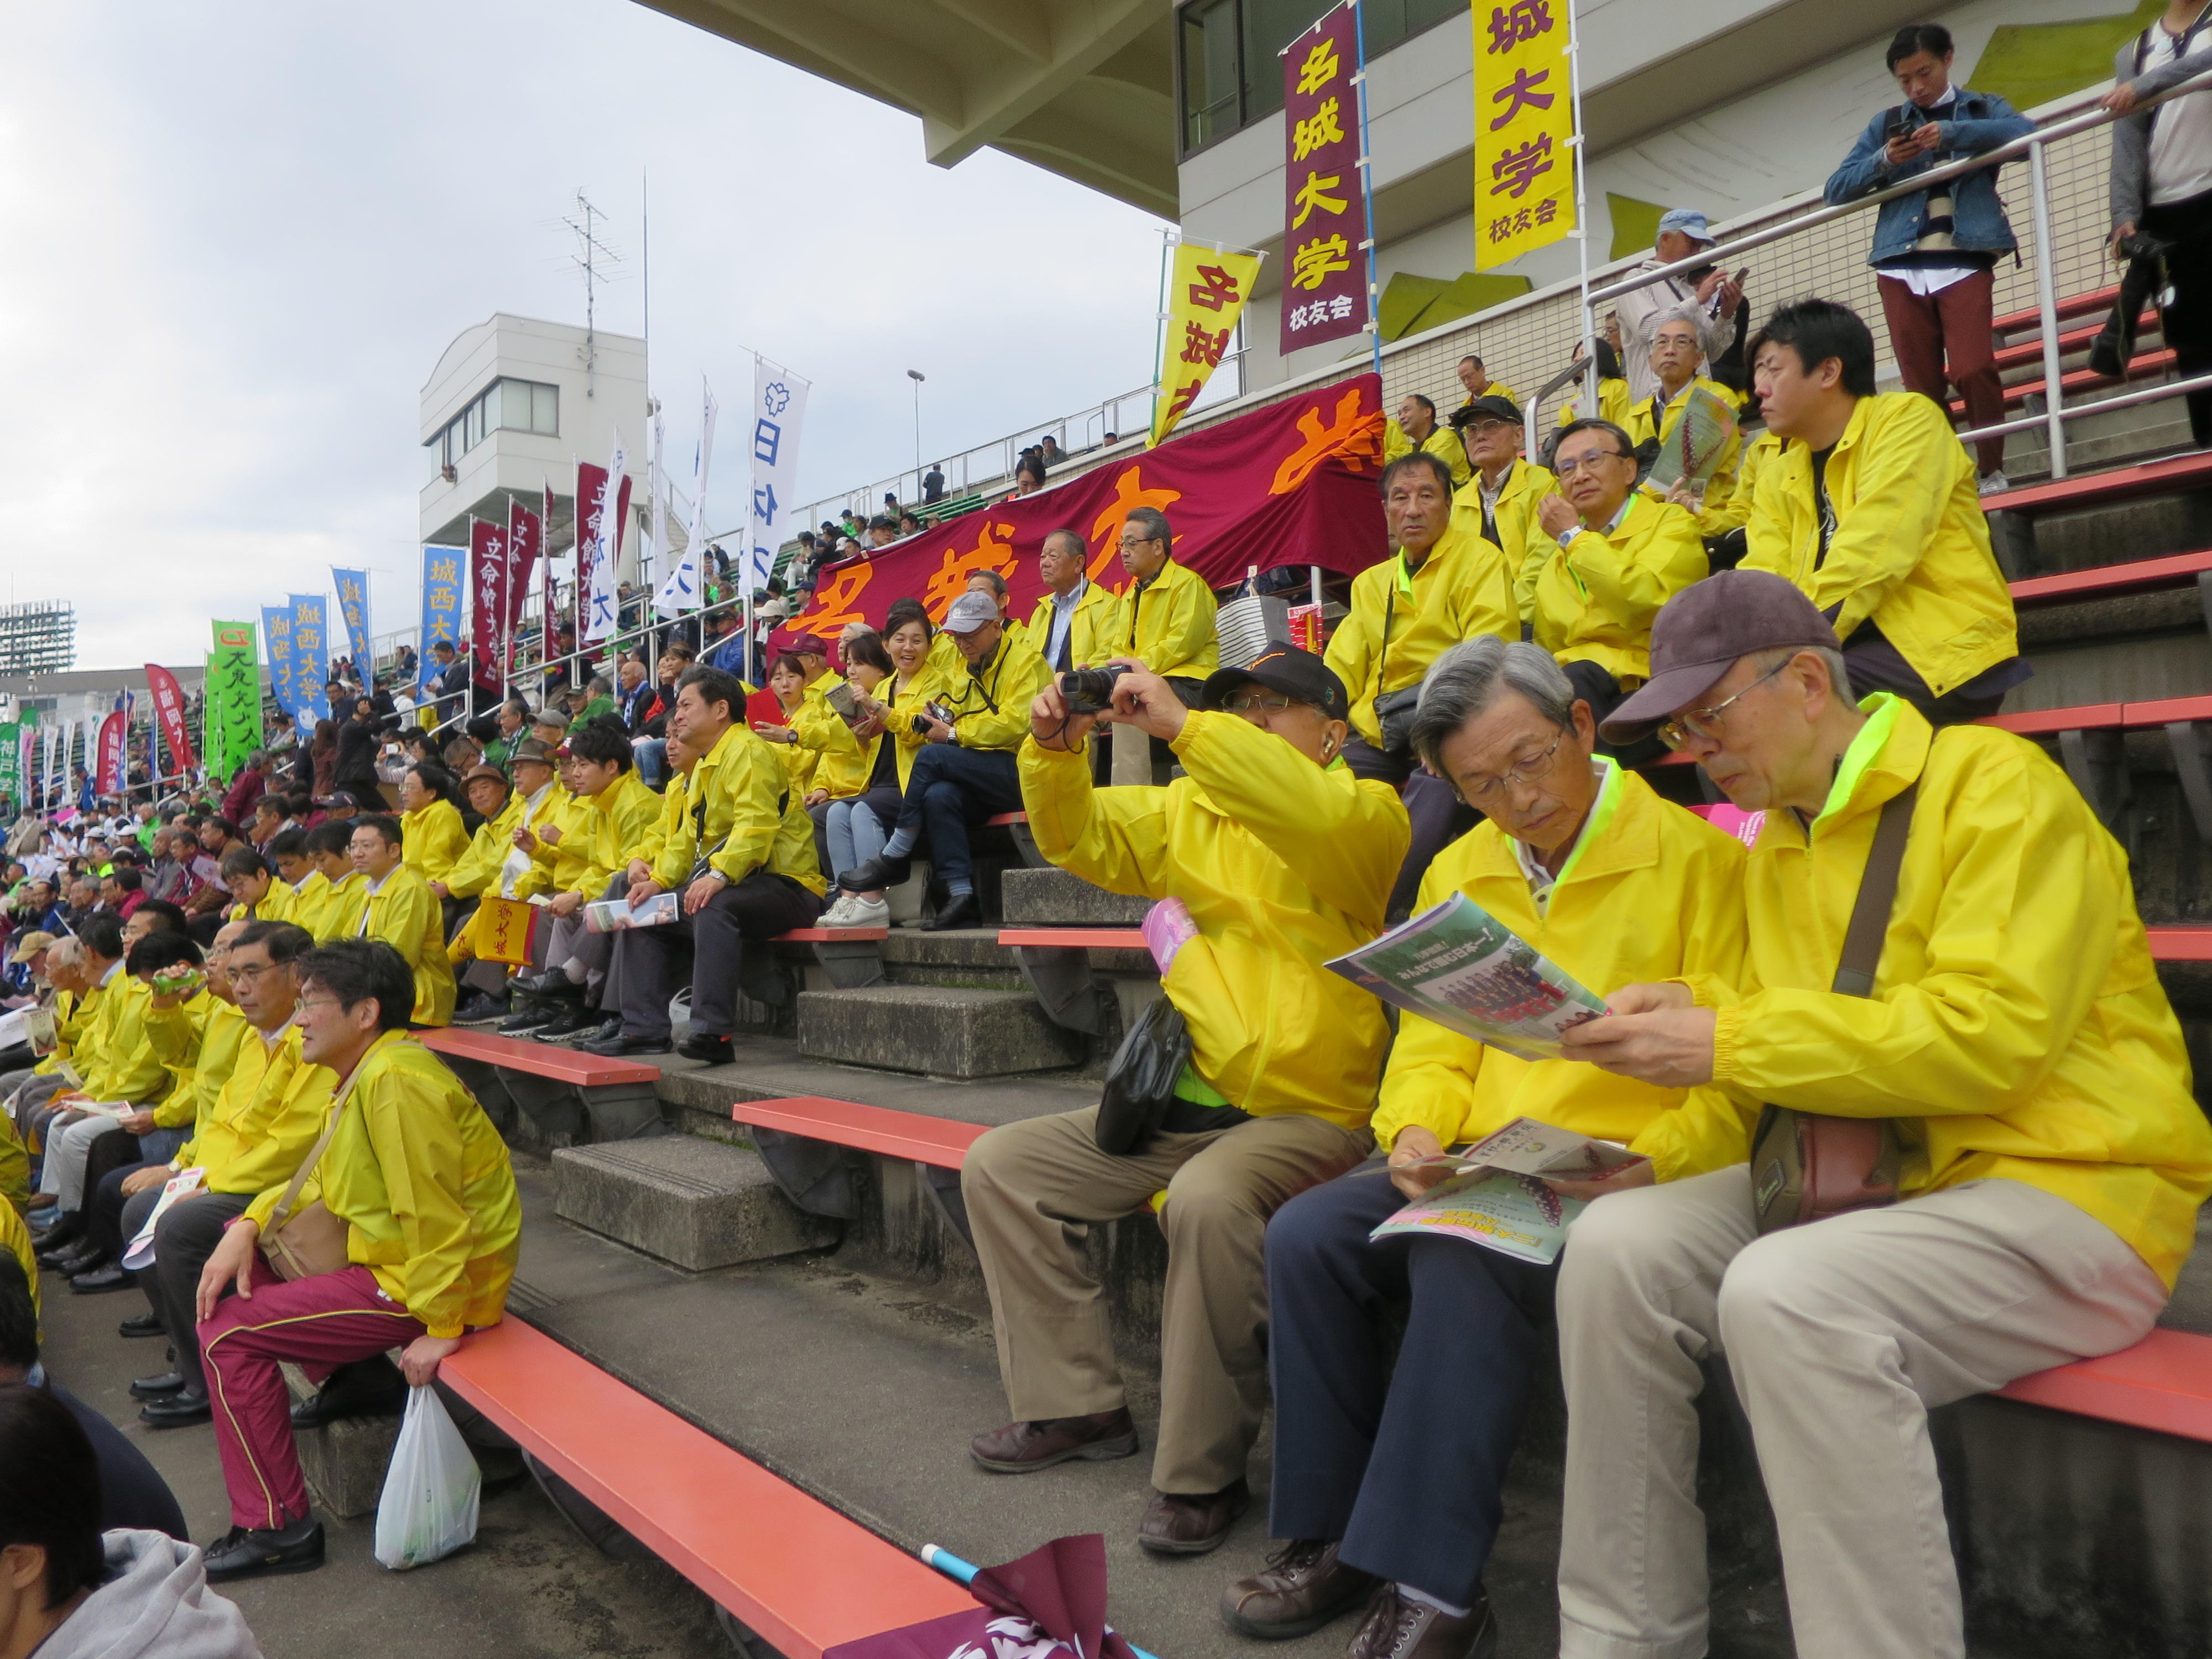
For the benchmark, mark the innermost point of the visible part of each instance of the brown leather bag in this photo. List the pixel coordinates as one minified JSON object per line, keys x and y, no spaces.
{"x":1807,"y":1166}
{"x":314,"y":1240}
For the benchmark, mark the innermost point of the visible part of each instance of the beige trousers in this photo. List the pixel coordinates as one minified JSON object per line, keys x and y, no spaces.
{"x":1839,"y":1335}
{"x":1035,"y":1188}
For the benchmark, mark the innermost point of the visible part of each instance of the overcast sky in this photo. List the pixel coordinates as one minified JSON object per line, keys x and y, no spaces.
{"x":240,"y":235}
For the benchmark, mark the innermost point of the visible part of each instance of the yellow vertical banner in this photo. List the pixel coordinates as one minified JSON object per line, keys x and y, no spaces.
{"x":1524,"y":125}
{"x":1205,"y":296}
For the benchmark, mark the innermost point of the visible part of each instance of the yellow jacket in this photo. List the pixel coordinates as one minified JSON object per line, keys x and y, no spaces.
{"x":1720,"y":516}
{"x":1647,"y":421}
{"x":799,"y":765}
{"x":1638,"y":856}
{"x":196,"y":1014}
{"x":406,"y":915}
{"x":991,"y":708}
{"x":520,"y":875}
{"x":72,"y":1018}
{"x":927,"y":686}
{"x":559,"y":866}
{"x":1519,"y":536}
{"x":621,"y":816}
{"x":478,"y":870}
{"x":276,"y":904}
{"x":14,"y":1170}
{"x":422,"y":1179}
{"x":2017,"y":1029}
{"x":653,"y":837}
{"x":1282,"y":864}
{"x":17,"y":1237}
{"x":1911,"y":550}
{"x":116,"y":1058}
{"x":264,"y":1117}
{"x":432,"y":838}
{"x":1595,"y":597}
{"x":1612,"y":404}
{"x":847,"y":774}
{"x":820,"y":728}
{"x":1401,"y":623}
{"x":742,"y":815}
{"x":1089,"y":631}
{"x":328,"y":909}
{"x":1168,"y":625}
{"x":1443,"y":443}
{"x":1496,"y":389}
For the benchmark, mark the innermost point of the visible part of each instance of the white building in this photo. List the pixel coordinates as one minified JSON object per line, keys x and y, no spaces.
{"x":513,"y":405}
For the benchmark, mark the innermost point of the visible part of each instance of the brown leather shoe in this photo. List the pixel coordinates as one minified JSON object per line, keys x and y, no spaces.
{"x":1302,"y":1588}
{"x":1025,"y":1448}
{"x":1399,"y":1629}
{"x":1191,"y":1523}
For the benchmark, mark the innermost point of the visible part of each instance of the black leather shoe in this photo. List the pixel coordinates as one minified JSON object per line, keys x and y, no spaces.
{"x":153,"y":1388}
{"x":81,"y":1260}
{"x":550,"y":983}
{"x":962,"y":911}
{"x":180,"y":1410}
{"x":714,"y":1050}
{"x":248,"y":1552}
{"x":874,"y":875}
{"x":112,"y":1277}
{"x":53,"y":1251}
{"x":144,"y":1324}
{"x":605,"y":1031}
{"x":368,"y":1388}
{"x":568,"y":1022}
{"x":624,"y":1043}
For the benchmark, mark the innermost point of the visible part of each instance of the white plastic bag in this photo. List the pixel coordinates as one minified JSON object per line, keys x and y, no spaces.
{"x":428,"y":1509}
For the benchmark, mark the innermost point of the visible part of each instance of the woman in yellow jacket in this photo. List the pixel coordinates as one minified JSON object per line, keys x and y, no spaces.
{"x":917,"y":680}
{"x":435,"y":836}
{"x":419,"y":1181}
{"x":1400,"y":1470}
{"x":852,"y":832}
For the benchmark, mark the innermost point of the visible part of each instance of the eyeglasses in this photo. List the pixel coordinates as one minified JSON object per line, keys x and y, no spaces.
{"x":305,"y":1003}
{"x":1524,"y":773}
{"x":251,"y":973}
{"x":1700,"y":722}
{"x":1262,"y":702}
{"x":1568,"y":469}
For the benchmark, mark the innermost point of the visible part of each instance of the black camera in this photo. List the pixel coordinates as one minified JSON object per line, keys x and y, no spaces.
{"x":932,"y":711}
{"x":1091,"y":691}
{"x":2140,"y":246}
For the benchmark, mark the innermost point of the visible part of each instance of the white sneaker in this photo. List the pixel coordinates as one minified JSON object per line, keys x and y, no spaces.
{"x":853,"y":911}
{"x":1992,"y":483}
{"x":835,"y":915}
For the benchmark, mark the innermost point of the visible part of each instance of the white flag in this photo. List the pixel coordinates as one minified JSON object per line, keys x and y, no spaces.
{"x":680,"y":592}
{"x":779,"y":409}
{"x":603,"y":612}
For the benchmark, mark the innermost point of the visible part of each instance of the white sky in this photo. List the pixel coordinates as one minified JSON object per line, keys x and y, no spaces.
{"x":240,"y":235}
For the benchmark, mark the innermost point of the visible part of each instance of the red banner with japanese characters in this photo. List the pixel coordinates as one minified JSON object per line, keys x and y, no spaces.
{"x":526,"y":540}
{"x":487,"y":573}
{"x":1292,"y":484}
{"x":169,"y":710}
{"x":108,"y":773}
{"x":1325,"y":195}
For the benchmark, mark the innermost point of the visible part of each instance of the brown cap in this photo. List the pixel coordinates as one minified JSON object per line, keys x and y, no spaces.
{"x":533,"y":749}
{"x":1701,"y":632}
{"x":491,"y":772}
{"x":30,"y":945}
{"x":807,"y":645}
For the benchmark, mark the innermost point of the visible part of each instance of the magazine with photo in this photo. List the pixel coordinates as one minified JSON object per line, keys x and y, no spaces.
{"x":1690,"y":454}
{"x":613,"y":915}
{"x":1497,"y":1197}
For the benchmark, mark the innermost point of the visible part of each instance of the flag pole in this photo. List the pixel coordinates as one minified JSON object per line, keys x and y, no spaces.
{"x":1367,"y":190}
{"x":1590,"y":409}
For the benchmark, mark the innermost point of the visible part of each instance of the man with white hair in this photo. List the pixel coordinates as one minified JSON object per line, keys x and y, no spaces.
{"x":1708,"y":300}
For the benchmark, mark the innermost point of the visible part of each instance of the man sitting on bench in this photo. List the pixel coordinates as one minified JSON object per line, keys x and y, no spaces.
{"x":742,"y":857}
{"x":2009,"y":1027}
{"x":1270,"y":856}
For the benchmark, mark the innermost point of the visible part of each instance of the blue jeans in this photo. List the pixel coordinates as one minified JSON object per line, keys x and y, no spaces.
{"x":949,"y":789}
{"x":856,"y":835}
{"x":650,"y":755}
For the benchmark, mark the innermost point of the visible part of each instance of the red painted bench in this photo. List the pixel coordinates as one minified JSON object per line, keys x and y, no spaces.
{"x":933,"y":1140}
{"x":2079,"y":380}
{"x":545,"y":1060}
{"x":1070,"y":939}
{"x":2088,"y":304}
{"x":2120,"y":483}
{"x":2104,"y":582}
{"x":794,"y":1570}
{"x":2163,"y":1383}
{"x":2022,"y":353}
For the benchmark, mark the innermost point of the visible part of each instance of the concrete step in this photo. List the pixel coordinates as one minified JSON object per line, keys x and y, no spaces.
{"x":700,"y":1204}
{"x":343,"y":1462}
{"x":940,"y":1031}
{"x":1059,"y":898}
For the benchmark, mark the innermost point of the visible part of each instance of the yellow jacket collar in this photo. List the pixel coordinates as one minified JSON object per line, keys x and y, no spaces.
{"x":1889,"y":753}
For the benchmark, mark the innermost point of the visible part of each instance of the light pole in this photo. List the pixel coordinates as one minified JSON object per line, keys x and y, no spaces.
{"x":917,"y":377}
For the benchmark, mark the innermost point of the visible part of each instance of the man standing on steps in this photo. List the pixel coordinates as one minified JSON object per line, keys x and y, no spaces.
{"x":1269,"y":856}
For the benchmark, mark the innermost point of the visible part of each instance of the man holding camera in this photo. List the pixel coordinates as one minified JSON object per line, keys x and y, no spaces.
{"x":1270,"y":857}
{"x":966,"y":772}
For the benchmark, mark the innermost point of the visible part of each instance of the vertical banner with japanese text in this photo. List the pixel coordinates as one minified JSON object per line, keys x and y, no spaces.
{"x":11,"y":766}
{"x":686,"y":576}
{"x":487,"y":599}
{"x":590,"y":485}
{"x":108,"y":777}
{"x":1524,"y":128}
{"x":526,"y":540}
{"x":778,"y":412}
{"x":1325,"y":199}
{"x":353,"y":606}
{"x":311,"y":657}
{"x":546,"y":623}
{"x":1205,"y":296}
{"x":169,"y":715}
{"x":602,"y":597}
{"x":276,"y":634}
{"x":441,"y":605}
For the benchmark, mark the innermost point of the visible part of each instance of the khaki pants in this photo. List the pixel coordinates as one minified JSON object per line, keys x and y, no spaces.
{"x":1035,"y":1188}
{"x":1840,"y":1336}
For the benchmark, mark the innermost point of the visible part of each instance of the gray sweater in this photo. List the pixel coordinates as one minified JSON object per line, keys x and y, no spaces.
{"x":2130,"y":187}
{"x":155,"y":1604}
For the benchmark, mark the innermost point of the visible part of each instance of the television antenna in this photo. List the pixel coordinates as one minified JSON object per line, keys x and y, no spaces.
{"x":594,"y":257}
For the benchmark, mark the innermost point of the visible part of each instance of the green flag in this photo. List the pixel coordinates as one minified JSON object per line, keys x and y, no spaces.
{"x":233,"y":698}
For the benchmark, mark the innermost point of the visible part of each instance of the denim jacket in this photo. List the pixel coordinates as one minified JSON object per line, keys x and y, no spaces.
{"x":1975,"y":124}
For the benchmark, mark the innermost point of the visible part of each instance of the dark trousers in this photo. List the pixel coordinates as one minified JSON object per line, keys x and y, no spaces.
{"x":1596,"y":687}
{"x":949,"y":789}
{"x":651,"y":962}
{"x":1875,"y":664}
{"x":104,"y":1210}
{"x":183,"y":1241}
{"x":1439,"y":817}
{"x":2186,"y":324}
{"x":1404,"y":1467}
{"x":1949,"y":328}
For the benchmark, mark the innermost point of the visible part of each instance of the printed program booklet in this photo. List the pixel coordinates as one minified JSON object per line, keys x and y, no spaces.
{"x":1691,"y":453}
{"x":613,"y":915}
{"x":1499,"y":1201}
{"x":1457,"y":964}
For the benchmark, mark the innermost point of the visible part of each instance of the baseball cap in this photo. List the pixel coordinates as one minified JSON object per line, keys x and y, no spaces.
{"x":1494,"y":407}
{"x":970,"y":612}
{"x":550,"y":719}
{"x":807,"y":645}
{"x":1691,"y":223}
{"x":1283,"y":668}
{"x":1701,"y":632}
{"x":30,"y":945}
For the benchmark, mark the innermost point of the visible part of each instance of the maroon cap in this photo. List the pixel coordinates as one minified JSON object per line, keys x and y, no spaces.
{"x":807,"y":645}
{"x":1703,"y":631}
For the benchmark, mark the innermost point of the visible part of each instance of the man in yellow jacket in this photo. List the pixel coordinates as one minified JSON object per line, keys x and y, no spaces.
{"x":2016,"y":1038}
{"x":1391,"y":1480}
{"x":1415,"y":431}
{"x":741,"y":859}
{"x":1616,"y":557}
{"x":401,"y":910}
{"x":1269,"y":857}
{"x":1442,"y":586}
{"x":1165,"y":616}
{"x":1871,"y":509}
{"x":421,"y":1181}
{"x":966,"y":772}
{"x":1500,"y":498}
{"x":1072,"y":625}
{"x":1676,"y":354}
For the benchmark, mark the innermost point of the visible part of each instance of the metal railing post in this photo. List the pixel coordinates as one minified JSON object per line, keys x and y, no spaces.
{"x":2046,"y":297}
